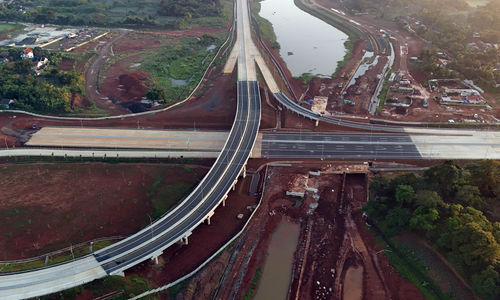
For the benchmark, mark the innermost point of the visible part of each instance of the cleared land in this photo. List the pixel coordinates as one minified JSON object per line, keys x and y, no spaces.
{"x":171,"y":61}
{"x":64,"y":204}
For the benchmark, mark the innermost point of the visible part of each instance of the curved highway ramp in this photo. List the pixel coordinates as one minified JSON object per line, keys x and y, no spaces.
{"x":178,"y":223}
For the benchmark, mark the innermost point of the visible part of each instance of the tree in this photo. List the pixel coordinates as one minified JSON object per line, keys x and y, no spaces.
{"x":424,"y":218}
{"x":487,"y":284}
{"x":404,"y":194}
{"x":378,"y":187}
{"x":469,"y":240}
{"x":469,"y":195}
{"x":23,"y":67}
{"x":156,"y":93}
{"x":396,"y":220}
{"x":445,"y":178}
{"x":429,"y":199}
{"x":486,"y":176}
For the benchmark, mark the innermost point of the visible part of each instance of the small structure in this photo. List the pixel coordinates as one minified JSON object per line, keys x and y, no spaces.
{"x":27,"y":54}
{"x":319,"y":105}
{"x":6,"y":103}
{"x":301,"y":184}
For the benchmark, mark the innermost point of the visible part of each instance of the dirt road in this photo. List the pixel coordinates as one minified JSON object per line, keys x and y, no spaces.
{"x":92,"y":78}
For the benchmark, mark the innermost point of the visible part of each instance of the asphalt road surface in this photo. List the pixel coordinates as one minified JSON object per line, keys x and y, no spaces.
{"x":297,"y":145}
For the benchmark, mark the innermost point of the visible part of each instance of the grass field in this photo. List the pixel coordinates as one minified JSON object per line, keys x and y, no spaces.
{"x":179,"y":68}
{"x":10,"y":29}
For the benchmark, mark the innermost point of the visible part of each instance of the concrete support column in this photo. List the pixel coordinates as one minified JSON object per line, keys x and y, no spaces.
{"x":185,"y":238}
{"x":244,"y":171}
{"x":209,"y":217}
{"x":224,"y":201}
{"x":317,"y":123}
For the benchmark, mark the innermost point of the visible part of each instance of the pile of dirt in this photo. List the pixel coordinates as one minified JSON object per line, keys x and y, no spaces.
{"x":131,"y":86}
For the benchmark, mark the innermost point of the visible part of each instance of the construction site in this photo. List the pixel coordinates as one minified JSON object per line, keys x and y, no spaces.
{"x":290,"y":229}
{"x":334,"y":256}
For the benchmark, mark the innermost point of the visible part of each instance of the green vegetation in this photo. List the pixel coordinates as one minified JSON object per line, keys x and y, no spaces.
{"x":352,"y":32}
{"x":450,"y":206}
{"x":349,"y":46}
{"x":12,"y":29}
{"x":255,"y":281}
{"x":177,"y":69}
{"x":449,"y":26}
{"x":152,"y":13}
{"x":307,"y":77}
{"x":164,"y":196}
{"x":383,"y":93}
{"x":50,"y":92}
{"x":410,"y":267}
{"x":264,"y":26}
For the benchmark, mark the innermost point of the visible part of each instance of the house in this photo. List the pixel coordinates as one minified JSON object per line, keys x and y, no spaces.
{"x":6,"y":103}
{"x":41,"y":63}
{"x":27,"y":54}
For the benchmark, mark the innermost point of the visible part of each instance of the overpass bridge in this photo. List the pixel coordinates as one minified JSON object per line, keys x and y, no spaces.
{"x":178,"y":223}
{"x":200,"y":205}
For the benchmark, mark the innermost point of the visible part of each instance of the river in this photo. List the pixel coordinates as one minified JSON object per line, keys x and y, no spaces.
{"x":308,"y":44}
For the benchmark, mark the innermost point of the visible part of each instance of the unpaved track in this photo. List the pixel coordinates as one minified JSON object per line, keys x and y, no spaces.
{"x":92,"y":78}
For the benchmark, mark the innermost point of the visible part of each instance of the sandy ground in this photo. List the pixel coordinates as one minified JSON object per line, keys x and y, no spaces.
{"x":65,"y":204}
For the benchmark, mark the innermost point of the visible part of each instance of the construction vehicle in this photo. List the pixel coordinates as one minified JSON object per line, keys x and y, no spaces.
{"x":349,"y":102}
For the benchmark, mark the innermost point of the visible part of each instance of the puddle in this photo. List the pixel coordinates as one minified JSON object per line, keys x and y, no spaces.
{"x":277,"y":271}
{"x":368,"y":61}
{"x":353,"y":284}
{"x":178,"y":82}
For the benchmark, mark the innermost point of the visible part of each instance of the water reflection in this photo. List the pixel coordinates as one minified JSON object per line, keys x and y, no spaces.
{"x":308,"y":45}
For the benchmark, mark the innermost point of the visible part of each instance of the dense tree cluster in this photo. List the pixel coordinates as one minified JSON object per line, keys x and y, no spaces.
{"x":50,"y":92}
{"x":449,"y":25}
{"x":192,"y":8}
{"x":446,"y":206}
{"x":109,"y":12}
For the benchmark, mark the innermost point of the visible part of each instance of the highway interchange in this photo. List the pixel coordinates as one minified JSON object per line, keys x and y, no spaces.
{"x":178,"y":223}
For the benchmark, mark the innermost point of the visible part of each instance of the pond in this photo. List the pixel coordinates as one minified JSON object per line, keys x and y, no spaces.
{"x":308,"y":44}
{"x":278,"y":268}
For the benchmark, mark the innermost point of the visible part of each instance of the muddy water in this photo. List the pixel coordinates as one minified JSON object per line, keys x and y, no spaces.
{"x":278,"y":268}
{"x":308,"y":45}
{"x":353,"y":284}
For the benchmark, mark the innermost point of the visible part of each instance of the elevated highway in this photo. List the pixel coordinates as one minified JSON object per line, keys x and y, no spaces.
{"x":178,"y":223}
{"x":200,"y":205}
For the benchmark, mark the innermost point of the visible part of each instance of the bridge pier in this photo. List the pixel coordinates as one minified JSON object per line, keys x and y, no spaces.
{"x":156,"y":255}
{"x":209,"y":216}
{"x":224,"y":201}
{"x":185,"y":238}
{"x":317,"y":123}
{"x":244,"y":171}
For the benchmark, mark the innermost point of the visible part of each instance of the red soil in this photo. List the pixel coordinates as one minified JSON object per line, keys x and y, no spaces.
{"x":126,"y":87}
{"x":65,"y":204}
{"x":326,"y":231}
{"x":179,"y":259}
